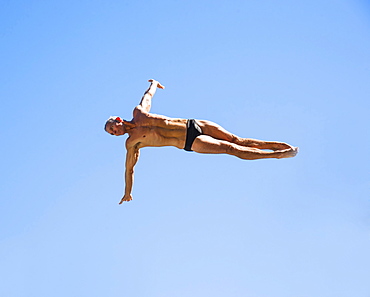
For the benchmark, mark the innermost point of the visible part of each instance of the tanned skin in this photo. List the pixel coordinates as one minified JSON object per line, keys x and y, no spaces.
{"x":147,"y":129}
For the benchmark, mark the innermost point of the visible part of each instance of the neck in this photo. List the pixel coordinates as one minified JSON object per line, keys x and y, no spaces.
{"x":128,"y":125}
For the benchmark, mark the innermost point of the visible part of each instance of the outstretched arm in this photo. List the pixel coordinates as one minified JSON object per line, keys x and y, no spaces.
{"x":146,"y":101}
{"x":132,"y":157}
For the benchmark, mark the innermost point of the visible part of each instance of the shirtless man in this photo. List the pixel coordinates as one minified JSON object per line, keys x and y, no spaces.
{"x":147,"y":129}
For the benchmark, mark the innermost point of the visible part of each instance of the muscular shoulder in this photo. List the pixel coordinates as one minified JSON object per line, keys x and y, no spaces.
{"x":139,"y":112}
{"x":132,"y":143}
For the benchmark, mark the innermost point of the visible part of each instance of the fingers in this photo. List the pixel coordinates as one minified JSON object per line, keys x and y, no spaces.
{"x":153,"y":81}
{"x":125,"y":199}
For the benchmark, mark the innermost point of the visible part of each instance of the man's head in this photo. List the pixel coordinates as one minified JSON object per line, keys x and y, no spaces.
{"x":115,"y":126}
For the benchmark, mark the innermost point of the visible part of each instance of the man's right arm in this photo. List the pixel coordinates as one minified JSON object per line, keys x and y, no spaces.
{"x":132,"y":157}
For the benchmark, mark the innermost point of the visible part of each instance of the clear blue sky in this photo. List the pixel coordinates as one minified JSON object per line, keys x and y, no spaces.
{"x":199,"y":225}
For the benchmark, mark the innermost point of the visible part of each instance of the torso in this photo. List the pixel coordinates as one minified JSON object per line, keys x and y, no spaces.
{"x":156,"y":130}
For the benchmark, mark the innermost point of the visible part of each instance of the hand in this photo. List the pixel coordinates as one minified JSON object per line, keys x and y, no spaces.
{"x":153,"y":81}
{"x":126,"y":198}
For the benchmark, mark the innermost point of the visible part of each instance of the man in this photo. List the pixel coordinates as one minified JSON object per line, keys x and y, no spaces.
{"x":147,"y":129}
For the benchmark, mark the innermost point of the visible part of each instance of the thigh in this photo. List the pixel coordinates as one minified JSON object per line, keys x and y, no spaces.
{"x":208,"y":145}
{"x":216,"y":131}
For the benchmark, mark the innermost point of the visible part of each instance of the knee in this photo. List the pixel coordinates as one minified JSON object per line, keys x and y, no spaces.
{"x":235,"y":139}
{"x":231,"y":149}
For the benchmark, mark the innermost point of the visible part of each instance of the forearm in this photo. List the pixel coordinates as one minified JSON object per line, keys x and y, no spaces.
{"x":146,"y":101}
{"x":129,"y":181}
{"x":152,"y":89}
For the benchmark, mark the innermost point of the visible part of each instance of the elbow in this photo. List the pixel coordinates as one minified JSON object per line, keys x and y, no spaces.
{"x":129,"y":171}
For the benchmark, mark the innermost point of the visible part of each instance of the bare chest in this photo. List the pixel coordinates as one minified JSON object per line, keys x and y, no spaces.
{"x":157,"y":136}
{"x":147,"y":134}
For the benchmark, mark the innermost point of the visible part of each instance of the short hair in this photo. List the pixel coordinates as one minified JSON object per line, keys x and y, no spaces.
{"x":109,"y":121}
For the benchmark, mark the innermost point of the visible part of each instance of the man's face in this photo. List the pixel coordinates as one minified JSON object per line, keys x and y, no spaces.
{"x":115,"y":128}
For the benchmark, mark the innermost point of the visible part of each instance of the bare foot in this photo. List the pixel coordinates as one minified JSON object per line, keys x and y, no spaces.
{"x":279,"y":146}
{"x":289,"y":153}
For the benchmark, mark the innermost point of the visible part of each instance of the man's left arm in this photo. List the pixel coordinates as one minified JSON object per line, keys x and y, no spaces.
{"x":146,"y":101}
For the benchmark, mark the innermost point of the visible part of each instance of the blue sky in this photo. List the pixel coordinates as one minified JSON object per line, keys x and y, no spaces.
{"x":199,"y":225}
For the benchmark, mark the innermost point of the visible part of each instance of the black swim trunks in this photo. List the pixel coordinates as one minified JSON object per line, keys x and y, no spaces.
{"x":192,"y":132}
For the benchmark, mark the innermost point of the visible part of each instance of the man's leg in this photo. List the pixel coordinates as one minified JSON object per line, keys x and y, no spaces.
{"x":208,"y":145}
{"x":216,"y":131}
